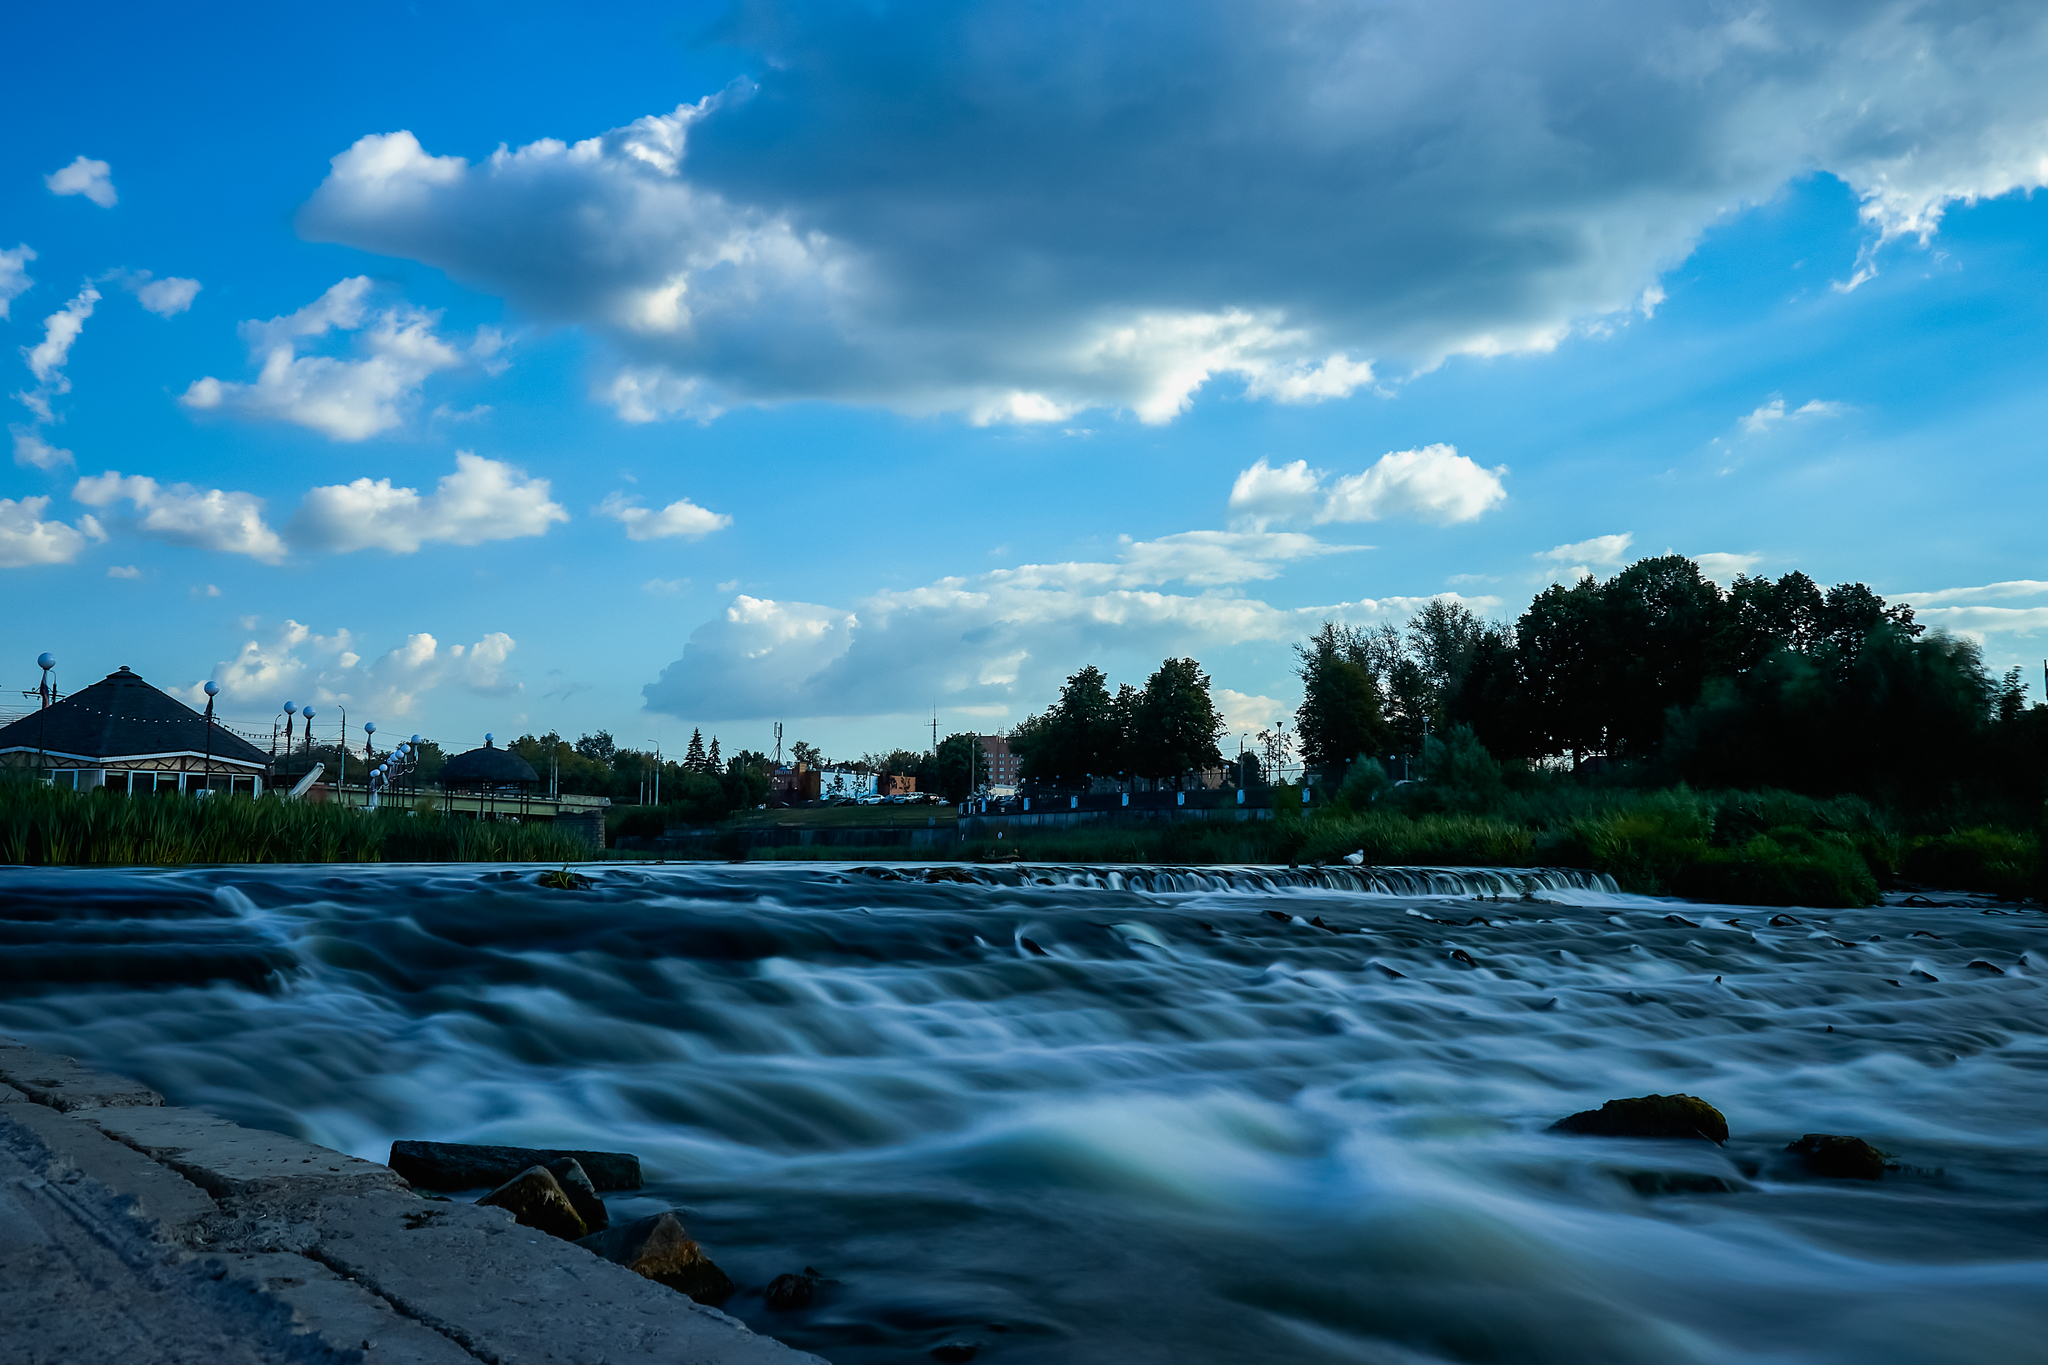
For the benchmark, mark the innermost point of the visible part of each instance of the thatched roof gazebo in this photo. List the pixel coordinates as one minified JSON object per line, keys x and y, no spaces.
{"x":494,"y":774}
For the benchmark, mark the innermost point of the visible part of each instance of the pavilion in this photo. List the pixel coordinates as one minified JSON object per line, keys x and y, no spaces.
{"x":125,"y":734}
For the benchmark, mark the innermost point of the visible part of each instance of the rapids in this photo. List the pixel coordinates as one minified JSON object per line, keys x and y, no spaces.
{"x":1140,"y":1114}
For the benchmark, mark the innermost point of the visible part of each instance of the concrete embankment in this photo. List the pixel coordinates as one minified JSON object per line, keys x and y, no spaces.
{"x":133,"y":1231}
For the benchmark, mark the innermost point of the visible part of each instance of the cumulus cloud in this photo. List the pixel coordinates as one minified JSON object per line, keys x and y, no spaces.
{"x":167,"y":297}
{"x":1724,"y":568}
{"x":26,"y":539}
{"x":1434,"y":483}
{"x":180,"y":514}
{"x":345,"y":399}
{"x":995,"y":639}
{"x":330,"y":671}
{"x":93,"y":179}
{"x":482,"y":500}
{"x":48,"y":357}
{"x":14,"y":280}
{"x":1607,"y":551}
{"x":1771,"y":414}
{"x":1017,"y":211}
{"x":123,"y":571}
{"x":33,"y":452}
{"x":679,"y":518}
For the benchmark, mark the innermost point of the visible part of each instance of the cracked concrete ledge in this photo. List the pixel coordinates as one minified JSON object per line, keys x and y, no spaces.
{"x":132,"y":1230}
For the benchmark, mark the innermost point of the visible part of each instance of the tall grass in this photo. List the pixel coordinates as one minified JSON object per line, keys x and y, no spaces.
{"x":48,"y":825}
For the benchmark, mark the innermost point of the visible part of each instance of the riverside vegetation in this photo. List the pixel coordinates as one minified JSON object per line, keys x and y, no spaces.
{"x":49,"y":825}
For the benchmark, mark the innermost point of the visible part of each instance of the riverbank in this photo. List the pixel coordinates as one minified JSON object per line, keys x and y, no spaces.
{"x":132,"y":1230}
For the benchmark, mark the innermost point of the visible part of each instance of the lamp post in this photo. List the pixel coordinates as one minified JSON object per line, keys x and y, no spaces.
{"x":369,"y":755}
{"x":308,"y":714}
{"x":206,"y":778}
{"x":45,"y":661}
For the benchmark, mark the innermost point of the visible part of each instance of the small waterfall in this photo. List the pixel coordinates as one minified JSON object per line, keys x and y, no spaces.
{"x":1510,"y":882}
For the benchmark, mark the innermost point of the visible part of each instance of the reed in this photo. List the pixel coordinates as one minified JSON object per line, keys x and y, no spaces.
{"x":50,"y":826}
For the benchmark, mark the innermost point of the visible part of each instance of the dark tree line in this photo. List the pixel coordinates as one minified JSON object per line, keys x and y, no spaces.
{"x":1157,"y":733}
{"x":1770,"y":683}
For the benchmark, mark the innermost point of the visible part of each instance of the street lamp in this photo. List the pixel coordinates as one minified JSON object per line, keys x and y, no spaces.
{"x":308,"y":714}
{"x":45,"y":661}
{"x":206,"y":779}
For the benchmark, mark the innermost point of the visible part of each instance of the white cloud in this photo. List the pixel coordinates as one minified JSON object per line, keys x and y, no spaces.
{"x":26,"y":539}
{"x":482,"y":500}
{"x":210,"y":590}
{"x":1607,"y":551}
{"x":1772,"y":413}
{"x":93,"y":179}
{"x":123,"y":571}
{"x":994,"y":640}
{"x":1989,"y":592}
{"x":14,"y":280}
{"x":180,"y":514}
{"x":1434,"y":483}
{"x":665,"y":587}
{"x":329,"y":671}
{"x":48,"y":357}
{"x":679,"y":518}
{"x":1247,"y":713}
{"x":347,"y":400}
{"x":167,"y":297}
{"x":32,"y":451}
{"x":1282,"y":193}
{"x":1724,"y":568}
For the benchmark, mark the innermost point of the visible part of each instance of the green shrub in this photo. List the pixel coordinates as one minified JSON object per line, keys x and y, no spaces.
{"x":1997,"y":861}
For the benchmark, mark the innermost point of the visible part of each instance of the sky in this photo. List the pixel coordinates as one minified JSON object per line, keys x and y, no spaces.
{"x":517,"y":367}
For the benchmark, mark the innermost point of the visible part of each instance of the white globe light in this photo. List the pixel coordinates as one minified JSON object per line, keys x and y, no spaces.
{"x":212,"y":689}
{"x":488,"y":737}
{"x":309,"y":713}
{"x":291,"y":708}
{"x":369,"y":727}
{"x":46,"y":662}
{"x":414,"y":741}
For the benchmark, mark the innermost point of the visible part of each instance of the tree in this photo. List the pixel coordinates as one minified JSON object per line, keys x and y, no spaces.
{"x":694,"y":758}
{"x":712,"y":762}
{"x":1659,"y":619}
{"x":948,"y":774}
{"x":1177,"y":723}
{"x":1561,"y":646}
{"x":1340,"y":717}
{"x":1077,"y":737}
{"x":1444,"y":638}
{"x":598,"y":747}
{"x":806,"y":755}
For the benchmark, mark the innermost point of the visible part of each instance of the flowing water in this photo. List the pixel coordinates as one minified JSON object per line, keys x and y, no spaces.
{"x":1068,"y":1115}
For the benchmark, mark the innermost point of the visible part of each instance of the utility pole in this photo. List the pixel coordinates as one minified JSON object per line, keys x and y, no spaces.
{"x":935,"y":731}
{"x":778,"y":744}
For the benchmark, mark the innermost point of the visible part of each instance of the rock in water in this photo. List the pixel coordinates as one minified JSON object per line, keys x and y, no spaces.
{"x":1839,"y":1158}
{"x":467,"y":1166}
{"x":1651,"y":1116}
{"x":787,"y":1293}
{"x":538,"y":1201}
{"x":568,"y":1173}
{"x":661,"y":1249}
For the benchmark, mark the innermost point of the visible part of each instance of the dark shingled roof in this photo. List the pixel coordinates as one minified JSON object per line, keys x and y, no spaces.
{"x":121,"y":716}
{"x":488,"y":766}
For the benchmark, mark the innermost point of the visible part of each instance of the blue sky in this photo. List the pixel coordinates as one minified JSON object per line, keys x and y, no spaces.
{"x":519,"y":367}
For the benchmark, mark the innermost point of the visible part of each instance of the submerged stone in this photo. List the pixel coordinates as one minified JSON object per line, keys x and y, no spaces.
{"x":1650,"y":1116}
{"x":1839,"y":1158}
{"x":660,"y":1249}
{"x":569,"y":1174}
{"x":788,"y":1293}
{"x":467,"y":1166}
{"x":536,"y":1199}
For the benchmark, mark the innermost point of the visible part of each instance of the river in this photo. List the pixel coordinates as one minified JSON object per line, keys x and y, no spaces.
{"x":1142,"y":1115}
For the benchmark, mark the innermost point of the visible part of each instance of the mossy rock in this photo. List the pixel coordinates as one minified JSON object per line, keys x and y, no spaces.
{"x":1839,"y":1158}
{"x":1650,"y":1116}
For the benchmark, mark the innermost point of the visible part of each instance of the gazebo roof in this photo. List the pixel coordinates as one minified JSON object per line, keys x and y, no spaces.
{"x":123,"y":717}
{"x":488,"y":766}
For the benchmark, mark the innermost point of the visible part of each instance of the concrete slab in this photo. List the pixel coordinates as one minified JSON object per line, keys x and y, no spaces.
{"x":512,"y":1295}
{"x":159,"y":1196}
{"x":61,"y":1083}
{"x":232,"y":1162}
{"x":346,"y":1317}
